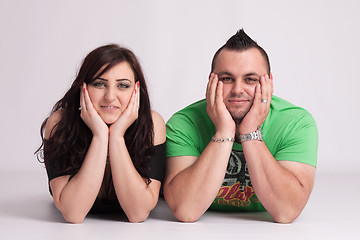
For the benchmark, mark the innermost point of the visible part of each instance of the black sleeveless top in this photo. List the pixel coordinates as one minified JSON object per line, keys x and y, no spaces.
{"x":107,"y":196}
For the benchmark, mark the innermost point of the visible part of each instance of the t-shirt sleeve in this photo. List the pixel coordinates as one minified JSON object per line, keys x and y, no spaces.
{"x":156,"y":164}
{"x":300,"y":143}
{"x":181,"y":137}
{"x":51,"y":173}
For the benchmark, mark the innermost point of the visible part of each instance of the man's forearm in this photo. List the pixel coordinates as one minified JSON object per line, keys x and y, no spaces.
{"x":190,"y":192}
{"x":282,"y":192}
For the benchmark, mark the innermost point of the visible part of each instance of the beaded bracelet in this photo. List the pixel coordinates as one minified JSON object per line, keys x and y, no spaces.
{"x":222,"y":139}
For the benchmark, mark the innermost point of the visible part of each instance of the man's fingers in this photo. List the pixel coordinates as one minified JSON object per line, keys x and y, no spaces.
{"x":219,"y":93}
{"x":263,"y":88}
{"x":268,"y":89}
{"x":213,"y":88}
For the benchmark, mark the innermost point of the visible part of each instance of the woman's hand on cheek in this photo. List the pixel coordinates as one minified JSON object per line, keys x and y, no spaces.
{"x":90,"y":116}
{"x":129,"y":115}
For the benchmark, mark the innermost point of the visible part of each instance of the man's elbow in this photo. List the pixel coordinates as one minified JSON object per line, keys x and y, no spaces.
{"x":186,"y":216}
{"x":184,"y":213}
{"x":285,"y":217}
{"x":183,"y":210}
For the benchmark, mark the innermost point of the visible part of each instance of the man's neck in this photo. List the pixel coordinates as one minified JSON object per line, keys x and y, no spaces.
{"x":237,"y":127}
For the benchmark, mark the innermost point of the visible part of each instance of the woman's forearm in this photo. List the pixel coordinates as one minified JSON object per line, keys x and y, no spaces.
{"x":75,"y":198}
{"x":136,"y":197}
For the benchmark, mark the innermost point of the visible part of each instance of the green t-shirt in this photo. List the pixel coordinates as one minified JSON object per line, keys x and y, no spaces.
{"x":290,"y":133}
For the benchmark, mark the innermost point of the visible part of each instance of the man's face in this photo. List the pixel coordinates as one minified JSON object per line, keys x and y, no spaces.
{"x":240,"y":71}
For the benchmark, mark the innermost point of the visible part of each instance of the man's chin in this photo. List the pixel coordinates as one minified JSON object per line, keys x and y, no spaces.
{"x":238,"y":114}
{"x":237,"y":117}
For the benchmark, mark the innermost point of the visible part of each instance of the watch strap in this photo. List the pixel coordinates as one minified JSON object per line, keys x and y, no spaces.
{"x":256,"y":135}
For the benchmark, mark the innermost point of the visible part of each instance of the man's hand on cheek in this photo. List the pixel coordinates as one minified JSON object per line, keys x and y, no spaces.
{"x":260,"y":108}
{"x":216,"y":108}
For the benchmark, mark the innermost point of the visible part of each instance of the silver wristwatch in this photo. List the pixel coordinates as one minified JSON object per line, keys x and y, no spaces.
{"x":257,"y":135}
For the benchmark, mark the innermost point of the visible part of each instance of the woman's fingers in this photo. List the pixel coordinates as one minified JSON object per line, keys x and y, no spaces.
{"x":82,"y":97}
{"x":133,"y":105}
{"x":138,"y":95}
{"x":88,"y":103}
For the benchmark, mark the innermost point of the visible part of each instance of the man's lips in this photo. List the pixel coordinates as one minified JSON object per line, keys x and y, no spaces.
{"x":237,"y":101}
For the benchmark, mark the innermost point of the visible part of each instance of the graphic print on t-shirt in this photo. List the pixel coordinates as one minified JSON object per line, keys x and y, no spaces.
{"x":236,"y":190}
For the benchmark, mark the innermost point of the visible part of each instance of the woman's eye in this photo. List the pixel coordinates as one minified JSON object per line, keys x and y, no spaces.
{"x":123,"y":85}
{"x":98,"y":84}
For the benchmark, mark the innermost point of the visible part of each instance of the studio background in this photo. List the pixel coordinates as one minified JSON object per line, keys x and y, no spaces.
{"x":313,"y":48}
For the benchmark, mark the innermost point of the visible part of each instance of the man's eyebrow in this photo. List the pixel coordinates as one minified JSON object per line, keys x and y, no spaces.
{"x":225,"y":73}
{"x":251,"y":74}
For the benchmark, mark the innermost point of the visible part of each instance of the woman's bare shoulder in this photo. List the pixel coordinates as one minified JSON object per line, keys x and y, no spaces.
{"x":159,"y":128}
{"x":53,"y":119}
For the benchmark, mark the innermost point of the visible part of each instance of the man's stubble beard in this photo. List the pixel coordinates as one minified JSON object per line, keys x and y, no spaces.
{"x":238,"y":115}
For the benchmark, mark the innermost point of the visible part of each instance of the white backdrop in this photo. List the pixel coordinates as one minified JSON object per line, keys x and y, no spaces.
{"x":313,"y":47}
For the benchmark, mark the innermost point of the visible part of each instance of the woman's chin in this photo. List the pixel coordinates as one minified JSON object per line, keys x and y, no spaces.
{"x":109,"y":121}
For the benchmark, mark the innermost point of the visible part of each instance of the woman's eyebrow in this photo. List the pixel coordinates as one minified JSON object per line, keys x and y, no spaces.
{"x":118,"y":80}
{"x":123,"y":79}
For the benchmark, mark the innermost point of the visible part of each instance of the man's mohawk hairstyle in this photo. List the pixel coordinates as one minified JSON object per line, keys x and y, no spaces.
{"x":240,"y":40}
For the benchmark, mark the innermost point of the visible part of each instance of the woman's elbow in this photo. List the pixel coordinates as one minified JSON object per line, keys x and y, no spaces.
{"x":74,"y":218}
{"x":138,"y":218}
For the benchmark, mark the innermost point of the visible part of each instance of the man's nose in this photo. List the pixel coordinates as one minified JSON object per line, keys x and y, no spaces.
{"x":238,"y":86}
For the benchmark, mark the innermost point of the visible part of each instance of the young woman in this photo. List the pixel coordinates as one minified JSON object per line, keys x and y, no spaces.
{"x":102,"y":144}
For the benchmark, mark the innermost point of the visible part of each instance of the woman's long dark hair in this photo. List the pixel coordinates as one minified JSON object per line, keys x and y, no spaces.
{"x":69,"y":140}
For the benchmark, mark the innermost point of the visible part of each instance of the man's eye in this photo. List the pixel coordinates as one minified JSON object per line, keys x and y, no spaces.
{"x":226,"y":79}
{"x":251,"y":80}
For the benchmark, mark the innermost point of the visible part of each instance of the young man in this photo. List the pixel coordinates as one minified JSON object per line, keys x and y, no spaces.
{"x":241,"y":149}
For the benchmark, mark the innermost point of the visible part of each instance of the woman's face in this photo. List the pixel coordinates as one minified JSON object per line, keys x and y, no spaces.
{"x":110,"y":93}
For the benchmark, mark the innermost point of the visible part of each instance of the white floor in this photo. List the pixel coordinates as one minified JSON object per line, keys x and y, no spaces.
{"x":27,"y":212}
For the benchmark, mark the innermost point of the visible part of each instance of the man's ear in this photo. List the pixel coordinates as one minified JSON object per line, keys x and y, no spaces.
{"x":271,"y":77}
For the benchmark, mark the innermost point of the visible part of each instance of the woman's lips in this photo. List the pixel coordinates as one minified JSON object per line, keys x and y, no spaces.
{"x":109,"y":108}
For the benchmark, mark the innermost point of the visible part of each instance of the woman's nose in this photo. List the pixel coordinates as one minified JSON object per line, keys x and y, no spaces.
{"x":109,"y":94}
